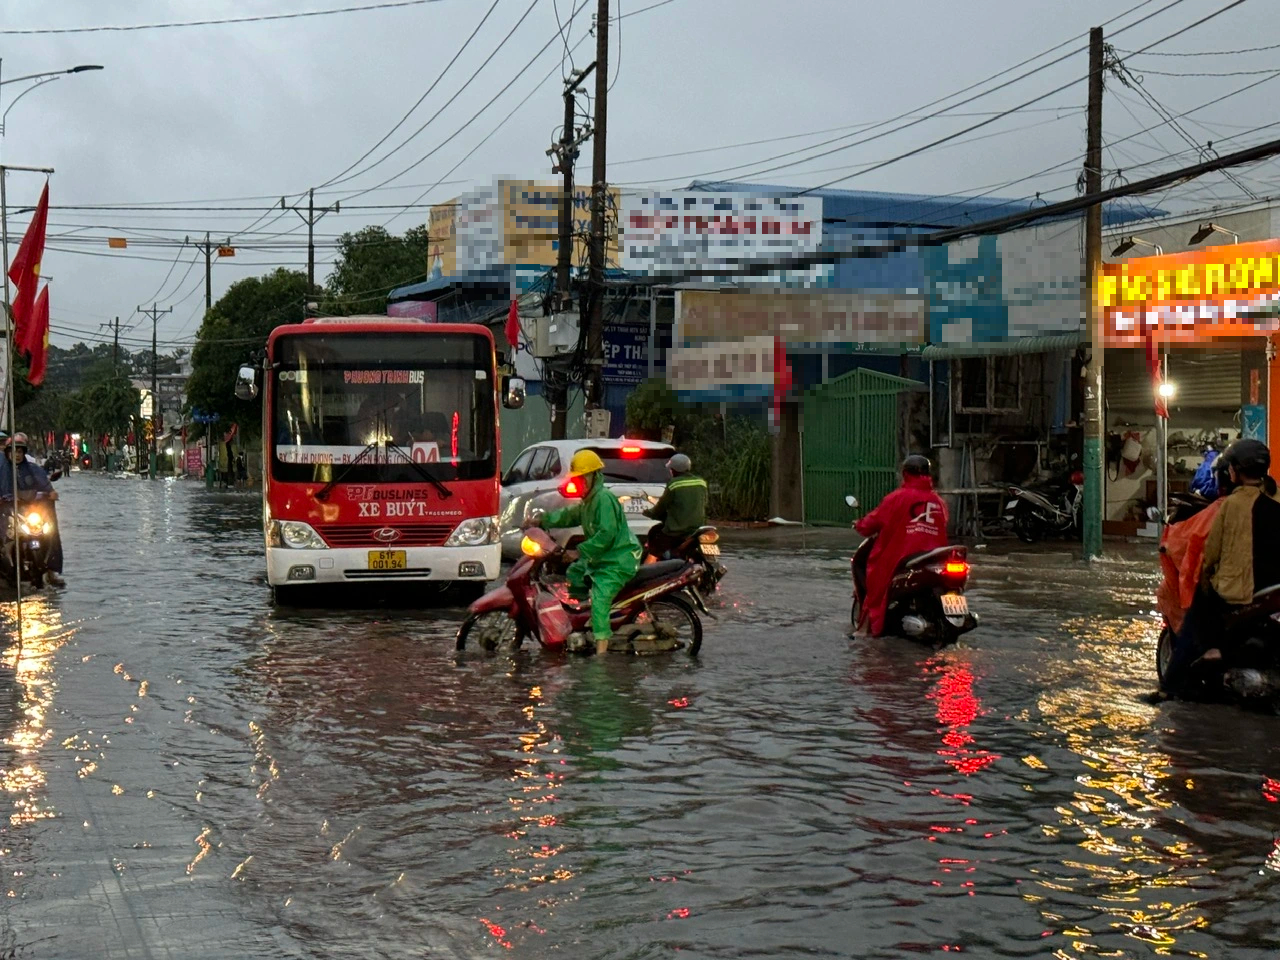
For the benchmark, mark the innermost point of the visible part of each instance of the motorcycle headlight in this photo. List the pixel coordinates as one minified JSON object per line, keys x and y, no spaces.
{"x":34,"y":519}
{"x":295,"y":535}
{"x":476,"y":532}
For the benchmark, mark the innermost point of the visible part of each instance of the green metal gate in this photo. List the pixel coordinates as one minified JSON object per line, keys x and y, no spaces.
{"x":851,"y":443}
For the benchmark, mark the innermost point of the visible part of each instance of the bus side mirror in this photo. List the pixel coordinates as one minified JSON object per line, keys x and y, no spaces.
{"x":513,"y":393}
{"x":851,"y":500}
{"x":247,"y":383}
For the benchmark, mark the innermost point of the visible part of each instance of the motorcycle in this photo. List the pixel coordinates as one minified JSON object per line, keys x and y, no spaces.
{"x":702,"y":547}
{"x":1249,"y":668}
{"x":657,"y":611}
{"x":1054,"y":509}
{"x":926,"y":595}
{"x":32,"y":526}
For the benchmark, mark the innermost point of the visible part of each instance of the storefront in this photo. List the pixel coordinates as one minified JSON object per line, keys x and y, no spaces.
{"x":1208,"y":318}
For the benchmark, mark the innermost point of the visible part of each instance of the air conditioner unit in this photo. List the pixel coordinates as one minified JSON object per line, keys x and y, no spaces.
{"x":556,"y":334}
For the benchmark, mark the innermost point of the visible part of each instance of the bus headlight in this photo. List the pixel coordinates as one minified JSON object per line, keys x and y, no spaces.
{"x":476,"y":532}
{"x":295,"y":535}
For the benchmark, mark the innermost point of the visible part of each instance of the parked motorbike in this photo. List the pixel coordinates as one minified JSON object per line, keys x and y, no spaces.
{"x":657,"y":611}
{"x":702,"y":547}
{"x":1047,"y":510}
{"x":32,"y":526}
{"x":1249,"y":669}
{"x":926,"y":595}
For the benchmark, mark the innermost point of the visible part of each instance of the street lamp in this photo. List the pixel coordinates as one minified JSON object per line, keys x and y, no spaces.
{"x":1209,"y":229}
{"x":1128,"y":243}
{"x":40,"y":79}
{"x":1168,"y":390}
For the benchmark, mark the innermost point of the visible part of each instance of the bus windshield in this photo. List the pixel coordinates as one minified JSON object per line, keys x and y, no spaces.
{"x":367,"y":407}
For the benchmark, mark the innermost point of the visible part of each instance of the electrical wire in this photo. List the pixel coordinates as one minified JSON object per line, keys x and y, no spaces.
{"x":1202,"y":53}
{"x":407,"y":140}
{"x":401,"y":122}
{"x":257,"y":18}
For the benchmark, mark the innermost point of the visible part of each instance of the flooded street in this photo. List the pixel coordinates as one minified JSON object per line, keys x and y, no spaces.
{"x":192,"y":774}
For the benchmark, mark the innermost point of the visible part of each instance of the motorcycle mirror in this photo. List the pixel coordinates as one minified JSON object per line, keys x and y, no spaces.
{"x":1153,"y":513}
{"x":851,"y":500}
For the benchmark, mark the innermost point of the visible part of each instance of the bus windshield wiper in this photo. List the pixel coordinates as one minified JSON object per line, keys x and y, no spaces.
{"x":323,"y":492}
{"x":445,"y":492}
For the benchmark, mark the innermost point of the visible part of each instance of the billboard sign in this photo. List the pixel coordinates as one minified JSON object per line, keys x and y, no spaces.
{"x":418,"y":309}
{"x":626,"y":353}
{"x":686,"y":229}
{"x":735,"y":369}
{"x":816,"y":317}
{"x":1226,"y":291}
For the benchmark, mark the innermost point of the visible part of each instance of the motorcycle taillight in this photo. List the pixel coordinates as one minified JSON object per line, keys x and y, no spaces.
{"x":1078,"y":478}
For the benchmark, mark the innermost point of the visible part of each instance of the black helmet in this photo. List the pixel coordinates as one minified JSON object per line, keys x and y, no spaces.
{"x":1251,"y":458}
{"x":917,"y":466}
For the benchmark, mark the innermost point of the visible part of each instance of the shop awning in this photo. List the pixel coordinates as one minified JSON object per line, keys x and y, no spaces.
{"x":1058,"y":342}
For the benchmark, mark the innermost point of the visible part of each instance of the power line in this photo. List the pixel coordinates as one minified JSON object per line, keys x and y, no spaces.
{"x":260,"y":18}
{"x":1201,"y":53}
{"x":401,"y":122}
{"x":407,"y":140}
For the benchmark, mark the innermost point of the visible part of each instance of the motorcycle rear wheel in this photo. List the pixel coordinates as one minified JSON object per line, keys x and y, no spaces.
{"x":490,"y":630}
{"x":677,"y":615}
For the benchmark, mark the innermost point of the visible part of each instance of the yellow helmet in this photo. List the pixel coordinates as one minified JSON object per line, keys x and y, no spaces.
{"x":584,"y":462}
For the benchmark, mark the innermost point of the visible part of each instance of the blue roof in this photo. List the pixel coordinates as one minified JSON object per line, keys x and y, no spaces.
{"x":923,"y":211}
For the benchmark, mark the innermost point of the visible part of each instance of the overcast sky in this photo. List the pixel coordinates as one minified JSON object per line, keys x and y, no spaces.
{"x":211,"y":115}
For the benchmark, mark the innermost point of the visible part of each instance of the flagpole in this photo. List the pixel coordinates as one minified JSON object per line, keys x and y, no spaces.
{"x":11,"y":356}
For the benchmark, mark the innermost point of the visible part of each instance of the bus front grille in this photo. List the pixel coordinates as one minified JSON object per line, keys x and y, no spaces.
{"x":385,"y":535}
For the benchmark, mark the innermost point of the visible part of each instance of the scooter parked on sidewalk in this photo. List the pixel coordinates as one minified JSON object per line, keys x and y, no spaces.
{"x":926,"y":596}
{"x":656,"y":612}
{"x":1054,"y":509}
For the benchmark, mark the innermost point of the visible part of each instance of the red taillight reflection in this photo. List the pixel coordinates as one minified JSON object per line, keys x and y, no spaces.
{"x":572,"y":488}
{"x":956,"y":568}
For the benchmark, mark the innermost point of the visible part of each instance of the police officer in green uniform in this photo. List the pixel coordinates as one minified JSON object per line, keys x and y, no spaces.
{"x":609,"y":556}
{"x":682,"y":509}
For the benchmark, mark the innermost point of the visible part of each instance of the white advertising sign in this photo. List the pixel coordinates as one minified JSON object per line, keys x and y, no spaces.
{"x":744,"y":367}
{"x":687,"y":229}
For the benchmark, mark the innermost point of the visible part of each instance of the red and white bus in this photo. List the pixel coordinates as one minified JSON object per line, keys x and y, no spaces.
{"x":380,"y":452}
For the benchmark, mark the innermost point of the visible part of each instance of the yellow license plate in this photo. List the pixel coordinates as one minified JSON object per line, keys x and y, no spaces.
{"x":388,"y":560}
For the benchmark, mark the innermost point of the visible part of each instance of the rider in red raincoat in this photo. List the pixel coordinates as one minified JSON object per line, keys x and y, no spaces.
{"x":908,"y":521}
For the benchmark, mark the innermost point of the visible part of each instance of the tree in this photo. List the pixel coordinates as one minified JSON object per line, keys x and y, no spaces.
{"x":236,"y":327}
{"x":371,"y":263}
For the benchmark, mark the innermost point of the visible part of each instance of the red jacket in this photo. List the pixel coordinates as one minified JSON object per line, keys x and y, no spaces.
{"x":908,"y":521}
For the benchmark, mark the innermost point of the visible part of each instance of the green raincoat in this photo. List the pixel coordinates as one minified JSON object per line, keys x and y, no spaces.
{"x":608,"y":557}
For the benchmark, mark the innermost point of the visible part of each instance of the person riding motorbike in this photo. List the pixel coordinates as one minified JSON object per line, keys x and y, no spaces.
{"x":910,"y":520}
{"x":609,"y":556}
{"x":32,"y":479}
{"x":1239,"y":555}
{"x":682,"y":508}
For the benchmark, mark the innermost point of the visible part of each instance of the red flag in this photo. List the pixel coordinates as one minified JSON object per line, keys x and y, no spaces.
{"x":1157,"y":376}
{"x":782,"y":378}
{"x":37,"y":344}
{"x":512,"y":328}
{"x":24,"y":271}
{"x":231,"y":433}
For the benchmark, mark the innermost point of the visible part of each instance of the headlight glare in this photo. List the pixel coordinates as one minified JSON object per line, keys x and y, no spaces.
{"x":475,"y":532}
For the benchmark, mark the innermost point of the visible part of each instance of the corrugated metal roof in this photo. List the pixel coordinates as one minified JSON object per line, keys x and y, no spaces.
{"x":1059,"y":342}
{"x":917,"y":210}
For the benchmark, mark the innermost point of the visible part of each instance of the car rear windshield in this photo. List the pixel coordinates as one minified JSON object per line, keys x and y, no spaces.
{"x":648,"y":466}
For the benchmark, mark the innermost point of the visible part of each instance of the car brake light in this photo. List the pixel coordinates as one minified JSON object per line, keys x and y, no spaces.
{"x":632,"y":451}
{"x":956,"y":567}
{"x":572,"y":488}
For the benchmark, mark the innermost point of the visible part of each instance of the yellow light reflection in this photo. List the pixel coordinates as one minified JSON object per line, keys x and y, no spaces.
{"x":31,"y":667}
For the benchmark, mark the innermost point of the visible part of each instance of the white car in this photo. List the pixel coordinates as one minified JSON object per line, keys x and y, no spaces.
{"x":635,"y":470}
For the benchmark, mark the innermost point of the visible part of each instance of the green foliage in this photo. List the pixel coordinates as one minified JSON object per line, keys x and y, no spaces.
{"x":371,"y":262}
{"x":104,"y":406}
{"x":236,"y":327}
{"x":733,"y":453}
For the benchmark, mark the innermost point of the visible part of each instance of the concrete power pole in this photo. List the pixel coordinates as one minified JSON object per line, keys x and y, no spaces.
{"x":154,"y":312}
{"x":1095,"y":427}
{"x":566,"y":153}
{"x":594,"y":378}
{"x":310,"y":218}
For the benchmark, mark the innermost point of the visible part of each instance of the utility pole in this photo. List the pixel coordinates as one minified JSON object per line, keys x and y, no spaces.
{"x":566,"y":154}
{"x":1095,"y":427}
{"x":594,"y":378}
{"x":115,"y":348}
{"x":154,"y":313}
{"x":310,"y":218}
{"x":208,"y":247}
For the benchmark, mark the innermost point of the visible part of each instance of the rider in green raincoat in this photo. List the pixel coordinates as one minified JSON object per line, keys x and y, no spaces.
{"x":610,"y":554}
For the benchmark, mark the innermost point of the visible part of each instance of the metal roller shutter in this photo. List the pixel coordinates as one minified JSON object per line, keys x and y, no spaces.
{"x":1207,"y":378}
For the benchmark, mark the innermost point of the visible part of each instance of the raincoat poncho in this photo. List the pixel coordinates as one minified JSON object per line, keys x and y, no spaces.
{"x":908,"y":521}
{"x":608,"y":557}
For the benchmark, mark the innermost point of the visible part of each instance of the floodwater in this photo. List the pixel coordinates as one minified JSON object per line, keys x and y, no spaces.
{"x":192,"y":774}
